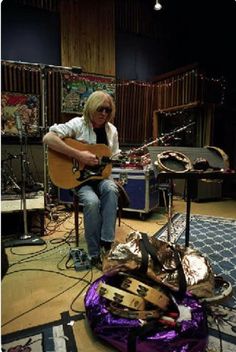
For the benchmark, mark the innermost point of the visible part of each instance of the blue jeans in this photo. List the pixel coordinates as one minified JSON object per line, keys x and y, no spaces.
{"x":100,"y":212}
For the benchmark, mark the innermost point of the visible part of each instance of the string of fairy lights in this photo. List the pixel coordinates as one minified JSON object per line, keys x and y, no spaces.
{"x":175,"y":113}
{"x":172,"y":82}
{"x":181,"y":83}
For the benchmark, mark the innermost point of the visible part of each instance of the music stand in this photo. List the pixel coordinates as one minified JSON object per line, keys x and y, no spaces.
{"x":189,"y":176}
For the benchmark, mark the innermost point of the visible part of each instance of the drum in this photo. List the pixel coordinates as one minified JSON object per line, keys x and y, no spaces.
{"x":219,"y":159}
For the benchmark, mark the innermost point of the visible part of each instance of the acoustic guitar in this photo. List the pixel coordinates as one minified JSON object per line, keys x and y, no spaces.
{"x":67,"y":173}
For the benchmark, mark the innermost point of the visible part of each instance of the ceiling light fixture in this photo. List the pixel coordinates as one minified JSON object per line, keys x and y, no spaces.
{"x":157,"y":6}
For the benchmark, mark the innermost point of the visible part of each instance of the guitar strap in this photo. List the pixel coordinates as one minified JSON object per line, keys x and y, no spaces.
{"x":123,"y":200}
{"x":147,"y":248}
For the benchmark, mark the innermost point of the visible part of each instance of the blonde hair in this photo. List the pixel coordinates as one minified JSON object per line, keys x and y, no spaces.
{"x":94,"y":101}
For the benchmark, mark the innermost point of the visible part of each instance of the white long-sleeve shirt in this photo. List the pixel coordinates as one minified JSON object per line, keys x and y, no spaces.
{"x":78,"y":129}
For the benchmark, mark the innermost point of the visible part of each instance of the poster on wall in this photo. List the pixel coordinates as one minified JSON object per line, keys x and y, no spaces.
{"x":77,"y":88}
{"x":19,"y":114}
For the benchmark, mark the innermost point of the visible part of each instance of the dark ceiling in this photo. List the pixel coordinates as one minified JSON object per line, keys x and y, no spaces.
{"x":201,"y":31}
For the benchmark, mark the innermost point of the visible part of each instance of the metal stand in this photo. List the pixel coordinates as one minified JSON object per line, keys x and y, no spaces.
{"x":167,"y":187}
{"x":170,"y":193}
{"x":26,"y":238}
{"x":79,"y":255}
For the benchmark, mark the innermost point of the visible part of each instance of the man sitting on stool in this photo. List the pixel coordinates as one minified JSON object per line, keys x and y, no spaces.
{"x":99,"y":197}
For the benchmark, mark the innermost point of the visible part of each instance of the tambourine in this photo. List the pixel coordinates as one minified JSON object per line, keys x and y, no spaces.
{"x":153,"y":295}
{"x":173,"y":161}
{"x":222,"y":290}
{"x":151,"y":329}
{"x":121,"y":297}
{"x":134,"y":299}
{"x":133,"y":314}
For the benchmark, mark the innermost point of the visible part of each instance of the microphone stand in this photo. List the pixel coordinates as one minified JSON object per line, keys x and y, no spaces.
{"x":159,"y":139}
{"x":26,"y":238}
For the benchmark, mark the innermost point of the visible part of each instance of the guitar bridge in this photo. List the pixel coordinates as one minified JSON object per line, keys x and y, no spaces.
{"x":95,"y":171}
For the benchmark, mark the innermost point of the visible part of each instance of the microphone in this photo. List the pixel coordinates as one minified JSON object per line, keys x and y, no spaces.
{"x":19,"y":125}
{"x":18,"y":121}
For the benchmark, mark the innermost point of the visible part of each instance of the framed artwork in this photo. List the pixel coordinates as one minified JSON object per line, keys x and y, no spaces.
{"x":19,"y":113}
{"x":77,"y":88}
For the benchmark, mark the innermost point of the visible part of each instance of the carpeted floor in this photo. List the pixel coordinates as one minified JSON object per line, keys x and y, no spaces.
{"x":54,"y":336}
{"x":214,"y":237}
{"x":40,"y":284}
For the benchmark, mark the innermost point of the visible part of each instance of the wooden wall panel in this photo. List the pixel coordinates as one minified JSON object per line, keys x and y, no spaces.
{"x":139,"y":102}
{"x":51,"y":5}
{"x":88,"y":40}
{"x":88,"y":35}
{"x":135,"y":103}
{"x":138,"y":17}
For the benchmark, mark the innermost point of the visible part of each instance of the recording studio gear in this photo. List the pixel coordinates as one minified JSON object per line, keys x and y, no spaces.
{"x":25,"y":238}
{"x":173,"y":161}
{"x":201,"y":164}
{"x":75,"y":173}
{"x":9,"y":183}
{"x":150,"y":329}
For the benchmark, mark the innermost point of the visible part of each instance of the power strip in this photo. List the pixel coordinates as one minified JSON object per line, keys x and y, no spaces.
{"x":80,"y":258}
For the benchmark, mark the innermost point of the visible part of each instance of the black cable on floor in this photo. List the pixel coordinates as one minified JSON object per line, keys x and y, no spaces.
{"x":45,"y":302}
